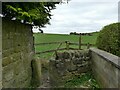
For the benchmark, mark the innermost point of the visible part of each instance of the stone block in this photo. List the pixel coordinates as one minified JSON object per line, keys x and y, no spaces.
{"x":1,"y":75}
{"x":0,"y":84}
{"x":87,"y":58}
{"x":7,"y":60}
{"x":72,"y":67}
{"x":21,"y":78}
{"x":8,"y":72}
{"x":6,"y":53}
{"x":8,"y":84}
{"x":83,"y":69}
{"x":1,"y":45}
{"x":8,"y":76}
{"x":26,"y":84}
{"x":6,"y":44}
{"x":11,"y":58}
{"x":16,"y":53}
{"x":26,"y":63}
{"x":64,"y":55}
{"x":77,"y":55}
{"x":18,"y":67}
{"x":17,"y":49}
{"x":36,"y":71}
{"x":77,"y":61}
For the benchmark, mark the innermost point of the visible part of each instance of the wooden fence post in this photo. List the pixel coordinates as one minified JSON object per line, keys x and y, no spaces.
{"x":80,"y":41}
{"x":88,"y":46}
{"x":67,"y":45}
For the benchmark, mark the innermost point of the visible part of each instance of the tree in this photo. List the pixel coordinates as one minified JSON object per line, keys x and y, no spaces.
{"x":36,"y":13}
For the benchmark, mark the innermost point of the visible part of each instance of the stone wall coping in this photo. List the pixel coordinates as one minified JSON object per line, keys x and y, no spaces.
{"x":14,"y":21}
{"x":115,"y":60}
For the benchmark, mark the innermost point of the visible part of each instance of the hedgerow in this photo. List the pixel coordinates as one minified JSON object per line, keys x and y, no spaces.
{"x":109,"y":39}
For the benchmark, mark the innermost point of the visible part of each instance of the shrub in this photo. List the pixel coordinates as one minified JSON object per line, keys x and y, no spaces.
{"x":109,"y":39}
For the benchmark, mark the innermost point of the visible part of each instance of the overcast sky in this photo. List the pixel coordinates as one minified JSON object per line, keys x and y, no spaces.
{"x":82,"y":16}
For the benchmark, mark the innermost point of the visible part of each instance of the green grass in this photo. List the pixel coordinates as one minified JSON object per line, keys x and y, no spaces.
{"x":85,"y":80}
{"x":45,"y":38}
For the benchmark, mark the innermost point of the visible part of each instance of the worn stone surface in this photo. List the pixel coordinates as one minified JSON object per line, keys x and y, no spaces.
{"x":17,"y":54}
{"x":0,"y":70}
{"x":36,"y":66}
{"x":1,"y":50}
{"x":105,"y":68}
{"x":66,"y":64}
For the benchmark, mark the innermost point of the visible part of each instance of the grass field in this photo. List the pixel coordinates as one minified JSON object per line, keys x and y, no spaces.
{"x":45,"y":38}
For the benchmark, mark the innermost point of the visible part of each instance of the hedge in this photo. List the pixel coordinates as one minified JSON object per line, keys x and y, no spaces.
{"x":109,"y":39}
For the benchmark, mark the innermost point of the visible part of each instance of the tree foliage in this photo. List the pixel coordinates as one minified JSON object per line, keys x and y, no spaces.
{"x":108,"y":39}
{"x":36,"y":13}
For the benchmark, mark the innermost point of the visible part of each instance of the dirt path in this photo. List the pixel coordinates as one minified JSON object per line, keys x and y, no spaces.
{"x":45,"y":80}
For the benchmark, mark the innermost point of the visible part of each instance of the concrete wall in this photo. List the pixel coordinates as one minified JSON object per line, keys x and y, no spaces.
{"x":106,"y":68}
{"x":17,"y":48}
{"x":67,"y":64}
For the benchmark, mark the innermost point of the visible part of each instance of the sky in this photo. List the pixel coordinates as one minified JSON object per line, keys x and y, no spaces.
{"x":82,"y":16}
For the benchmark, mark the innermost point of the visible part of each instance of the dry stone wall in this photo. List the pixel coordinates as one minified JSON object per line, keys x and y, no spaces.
{"x":17,"y":54}
{"x":68,"y":63}
{"x":104,"y":66}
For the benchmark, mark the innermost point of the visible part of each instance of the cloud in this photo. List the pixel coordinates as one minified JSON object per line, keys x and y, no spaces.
{"x":82,"y":16}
